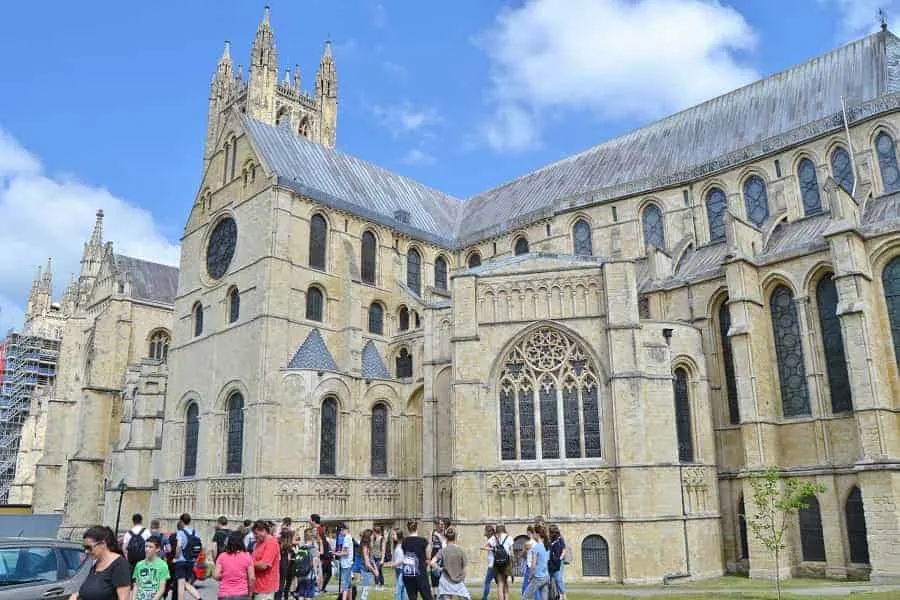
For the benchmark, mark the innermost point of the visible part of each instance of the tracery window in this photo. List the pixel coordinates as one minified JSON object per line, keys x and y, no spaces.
{"x":549,"y":401}
{"x":198,"y":319}
{"x":809,"y":187}
{"x":789,"y":353}
{"x":159,"y":345}
{"x":812,"y":540}
{"x":235,"y":441}
{"x":887,"y":162}
{"x":379,"y":439}
{"x":683,"y":417}
{"x":716,"y":205}
{"x":234,"y":305}
{"x":521,"y":246}
{"x":594,"y":557}
{"x":191,"y":437}
{"x":856,"y":527}
{"x":328,"y":437}
{"x":315,"y":304}
{"x":890,"y":279}
{"x":318,"y":242}
{"x":652,"y":223}
{"x":833,"y":345}
{"x":404,"y":318}
{"x":842,"y":169}
{"x":756,"y":200}
{"x":581,"y":238}
{"x":368,"y":258}
{"x":414,"y":271}
{"x":404,"y":364}
{"x":474,"y":260}
{"x":440,"y":273}
{"x":734,"y":413}
{"x":376,"y":319}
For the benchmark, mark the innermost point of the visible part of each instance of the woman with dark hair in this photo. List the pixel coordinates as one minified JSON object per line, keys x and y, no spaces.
{"x":110,"y":575}
{"x":234,"y":570}
{"x":286,"y":550}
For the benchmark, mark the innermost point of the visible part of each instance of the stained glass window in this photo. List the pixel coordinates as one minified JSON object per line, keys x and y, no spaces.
{"x":220,"y":248}
{"x":734,"y":412}
{"x":890,"y":279}
{"x":507,"y":424}
{"x":198,"y":319}
{"x":315,"y":304}
{"x":549,"y":421}
{"x":683,"y":417}
{"x":474,"y":260}
{"x":590,"y":408}
{"x":594,"y":557}
{"x":527,"y":442}
{"x":234,"y":147}
{"x":234,"y":305}
{"x":376,"y":319}
{"x":581,"y":238}
{"x":318,"y":242}
{"x":756,"y":200}
{"x":842,"y":169}
{"x":235,"y":442}
{"x":812,"y":540}
{"x":159,"y":346}
{"x":414,"y":271}
{"x":521,"y":246}
{"x":652,"y":222}
{"x":789,"y":353}
{"x":368,"y":259}
{"x":887,"y":162}
{"x":833,"y":345}
{"x":225,"y":165}
{"x":379,"y":439}
{"x":328,"y":437}
{"x":716,"y":206}
{"x":416,"y":319}
{"x":571,"y":420}
{"x":191,"y":438}
{"x":440,"y":273}
{"x":404,"y":318}
{"x":856,"y":528}
{"x":809,"y":187}
{"x":404,"y":364}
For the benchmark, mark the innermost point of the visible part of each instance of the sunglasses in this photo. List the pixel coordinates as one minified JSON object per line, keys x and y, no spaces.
{"x":90,"y":547}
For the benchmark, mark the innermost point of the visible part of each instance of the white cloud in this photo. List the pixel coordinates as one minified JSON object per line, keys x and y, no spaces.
{"x":860,"y":17}
{"x":43,"y":216}
{"x":417,"y":156}
{"x":612,"y":58}
{"x":406,"y":118}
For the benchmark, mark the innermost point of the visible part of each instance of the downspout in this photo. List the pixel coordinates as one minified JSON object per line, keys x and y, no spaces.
{"x":850,"y":146}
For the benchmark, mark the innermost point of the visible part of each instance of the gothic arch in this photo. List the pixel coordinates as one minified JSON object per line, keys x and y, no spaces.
{"x":384,"y":393}
{"x":802,"y":153}
{"x":334,"y":386}
{"x":775,"y":279}
{"x":814,"y":274}
{"x":189,"y":397}
{"x":578,"y":216}
{"x":234,"y":385}
{"x":879,"y":126}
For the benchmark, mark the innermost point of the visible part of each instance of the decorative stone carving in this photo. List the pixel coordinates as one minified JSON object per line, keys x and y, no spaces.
{"x":592,"y":492}
{"x":696,"y":489}
{"x":226,"y":497}
{"x":182,"y":497}
{"x":522,"y":495}
{"x":545,"y":298}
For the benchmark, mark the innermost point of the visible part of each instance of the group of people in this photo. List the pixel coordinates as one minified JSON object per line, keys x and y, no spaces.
{"x":266,"y":561}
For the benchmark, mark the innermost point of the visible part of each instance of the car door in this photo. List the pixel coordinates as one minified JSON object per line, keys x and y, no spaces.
{"x":30,"y":573}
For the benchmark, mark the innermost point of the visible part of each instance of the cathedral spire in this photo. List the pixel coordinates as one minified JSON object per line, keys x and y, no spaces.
{"x":97,"y":235}
{"x":326,"y":97}
{"x":263,"y":54}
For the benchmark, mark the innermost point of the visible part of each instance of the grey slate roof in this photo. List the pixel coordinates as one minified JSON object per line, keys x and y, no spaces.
{"x":313,"y":354}
{"x":150,"y":281}
{"x":806,"y":234}
{"x":704,"y":261}
{"x":372,"y":364}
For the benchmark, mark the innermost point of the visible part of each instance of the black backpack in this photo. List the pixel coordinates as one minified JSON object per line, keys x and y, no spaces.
{"x":303,"y":563}
{"x":501,"y":556}
{"x":137,"y":547}
{"x":194,"y":545}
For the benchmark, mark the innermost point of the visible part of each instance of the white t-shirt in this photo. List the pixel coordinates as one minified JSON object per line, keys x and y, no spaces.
{"x":347,"y":561}
{"x":136,"y":530}
{"x":398,"y":556}
{"x":492,"y":543}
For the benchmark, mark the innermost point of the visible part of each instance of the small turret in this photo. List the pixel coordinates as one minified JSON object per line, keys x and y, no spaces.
{"x":91,"y":260}
{"x":326,"y":96}
{"x":297,"y":82}
{"x":263,"y":73}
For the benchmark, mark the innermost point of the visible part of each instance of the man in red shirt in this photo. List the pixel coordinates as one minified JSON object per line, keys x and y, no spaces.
{"x":266,"y":562}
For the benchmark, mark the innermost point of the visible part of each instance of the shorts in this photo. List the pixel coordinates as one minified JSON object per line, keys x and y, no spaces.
{"x":184,"y":570}
{"x":264,"y":596}
{"x":346,"y":580}
{"x":501,"y":574}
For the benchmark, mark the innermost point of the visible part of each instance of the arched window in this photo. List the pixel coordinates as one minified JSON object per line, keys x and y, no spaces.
{"x":234,"y":154}
{"x":191,"y":438}
{"x":594,"y":557}
{"x":581,"y":238}
{"x":652,"y":222}
{"x":734,"y":412}
{"x":716,"y":205}
{"x":683,"y":417}
{"x":887,"y":162}
{"x":315,"y":304}
{"x":521,"y":246}
{"x":833,"y":345}
{"x":234,"y":305}
{"x":416,"y":319}
{"x":376,"y":319}
{"x":440,"y":273}
{"x":414,"y":271}
{"x":890,"y":279}
{"x":756,"y":200}
{"x":474,"y":260}
{"x":379,"y":439}
{"x":225,"y":166}
{"x":159,"y":345}
{"x":812,"y":541}
{"x":235,"y":442}
{"x":742,"y":529}
{"x":198,"y":319}
{"x":856,"y":528}
{"x":548,"y":376}
{"x":809,"y":187}
{"x":789,"y":353}
{"x":842,"y":168}
{"x":328,"y":437}
{"x":404,"y":318}
{"x":369,"y":257}
{"x":404,"y":364}
{"x":318,"y":242}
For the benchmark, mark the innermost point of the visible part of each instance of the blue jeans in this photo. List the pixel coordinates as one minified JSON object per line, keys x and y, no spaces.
{"x":538,"y":587}
{"x":399,"y":589}
{"x":526,"y":577}
{"x":558,"y":578}
{"x":488,"y":578}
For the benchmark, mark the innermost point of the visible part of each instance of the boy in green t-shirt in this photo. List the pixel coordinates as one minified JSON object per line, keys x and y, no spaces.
{"x":150,"y":575}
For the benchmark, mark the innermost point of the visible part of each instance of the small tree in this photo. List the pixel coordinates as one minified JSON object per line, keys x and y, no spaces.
{"x":775,"y":500}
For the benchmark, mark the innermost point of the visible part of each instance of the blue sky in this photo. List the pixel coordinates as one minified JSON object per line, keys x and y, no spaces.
{"x":104,"y":102}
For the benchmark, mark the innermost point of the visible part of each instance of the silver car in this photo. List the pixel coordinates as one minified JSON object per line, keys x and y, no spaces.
{"x":41,"y":569}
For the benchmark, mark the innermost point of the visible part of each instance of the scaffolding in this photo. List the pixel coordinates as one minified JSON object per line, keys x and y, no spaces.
{"x":29,"y":362}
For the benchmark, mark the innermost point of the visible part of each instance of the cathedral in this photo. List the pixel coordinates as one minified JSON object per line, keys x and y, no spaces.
{"x":615,"y":341}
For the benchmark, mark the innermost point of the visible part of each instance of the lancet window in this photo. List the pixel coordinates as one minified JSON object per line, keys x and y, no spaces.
{"x":379,"y":439}
{"x":756,"y":200}
{"x":887,"y":162}
{"x":842,"y":168}
{"x":318,"y":242}
{"x":581,"y":238}
{"x":235,"y":441}
{"x":414,"y":271}
{"x":191,"y":437}
{"x":833,"y":345}
{"x":890,"y":279}
{"x":159,"y":345}
{"x":716,"y":205}
{"x":809,"y":187}
{"x":440,"y":273}
{"x":652,"y":223}
{"x":789,"y":353}
{"x":368,"y":262}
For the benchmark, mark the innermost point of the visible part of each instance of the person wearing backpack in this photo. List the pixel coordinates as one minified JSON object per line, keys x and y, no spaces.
{"x":415,"y":564}
{"x":306,"y":562}
{"x":502,"y":549}
{"x":187,"y":549}
{"x":559,"y":557}
{"x":488,"y":548}
{"x":134,"y":541}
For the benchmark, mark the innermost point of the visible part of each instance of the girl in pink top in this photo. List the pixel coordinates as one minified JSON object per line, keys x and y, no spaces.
{"x":234,"y":570}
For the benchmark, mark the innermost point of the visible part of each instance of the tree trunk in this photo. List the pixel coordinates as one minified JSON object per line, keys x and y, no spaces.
{"x":777,"y":576}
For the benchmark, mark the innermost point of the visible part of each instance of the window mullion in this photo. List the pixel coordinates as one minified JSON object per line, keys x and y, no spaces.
{"x":538,"y":426}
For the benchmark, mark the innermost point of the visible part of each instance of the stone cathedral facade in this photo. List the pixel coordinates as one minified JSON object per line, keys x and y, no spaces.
{"x":614,"y":341}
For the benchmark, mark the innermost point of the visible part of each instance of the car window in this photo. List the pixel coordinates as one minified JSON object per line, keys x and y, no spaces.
{"x":28,"y":565}
{"x":72,"y":560}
